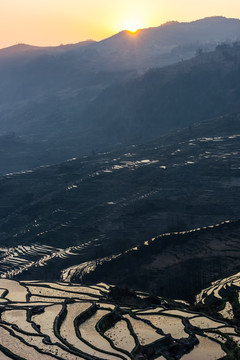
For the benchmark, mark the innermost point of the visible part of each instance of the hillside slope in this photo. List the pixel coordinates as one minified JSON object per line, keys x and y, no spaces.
{"x":168,"y":98}
{"x":166,"y":44}
{"x":134,"y":112}
{"x":99,"y":206}
{"x":48,"y":96}
{"x":177,"y":265}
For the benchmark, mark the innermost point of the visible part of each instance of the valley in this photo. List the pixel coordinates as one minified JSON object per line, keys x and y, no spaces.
{"x":119,"y":196}
{"x":182,"y":182}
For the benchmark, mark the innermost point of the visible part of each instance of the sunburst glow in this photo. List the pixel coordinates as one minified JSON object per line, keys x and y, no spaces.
{"x":132,"y":26}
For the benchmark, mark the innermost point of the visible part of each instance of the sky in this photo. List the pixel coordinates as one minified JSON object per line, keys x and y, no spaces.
{"x":55,"y":22}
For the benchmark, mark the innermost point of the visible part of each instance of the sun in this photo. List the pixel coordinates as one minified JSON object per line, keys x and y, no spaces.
{"x":132,"y":26}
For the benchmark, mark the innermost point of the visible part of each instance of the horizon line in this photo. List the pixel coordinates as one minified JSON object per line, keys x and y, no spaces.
{"x":123,"y":30}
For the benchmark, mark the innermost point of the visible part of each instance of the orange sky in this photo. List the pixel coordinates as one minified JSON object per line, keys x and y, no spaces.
{"x":52,"y":22}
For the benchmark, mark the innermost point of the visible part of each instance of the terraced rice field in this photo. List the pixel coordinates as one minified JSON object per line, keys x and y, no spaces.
{"x":74,"y":322}
{"x":220,"y":288}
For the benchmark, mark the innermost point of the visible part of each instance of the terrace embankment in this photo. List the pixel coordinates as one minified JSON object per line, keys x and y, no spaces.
{"x":47,"y":320}
{"x":177,"y":265}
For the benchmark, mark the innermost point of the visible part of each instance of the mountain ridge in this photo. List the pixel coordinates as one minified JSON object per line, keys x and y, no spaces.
{"x":205,"y":20}
{"x":71,"y":103}
{"x":22,"y":49}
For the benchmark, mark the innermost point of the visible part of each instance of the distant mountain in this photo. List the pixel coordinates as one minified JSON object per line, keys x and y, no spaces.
{"x":21,"y":50}
{"x":67,"y":100}
{"x":166,"y":44}
{"x":29,"y":72}
{"x":168,"y":98}
{"x":49,"y":130}
{"x":151,"y":47}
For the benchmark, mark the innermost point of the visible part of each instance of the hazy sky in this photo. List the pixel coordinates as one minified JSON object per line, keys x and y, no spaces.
{"x":52,"y":22}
